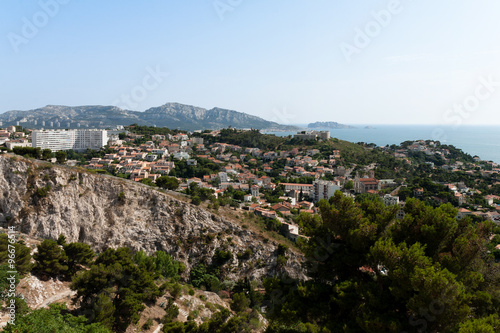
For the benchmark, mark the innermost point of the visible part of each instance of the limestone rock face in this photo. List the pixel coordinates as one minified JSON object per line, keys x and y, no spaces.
{"x":45,"y":201}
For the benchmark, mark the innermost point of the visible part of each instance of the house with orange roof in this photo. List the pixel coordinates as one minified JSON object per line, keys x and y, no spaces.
{"x":462,"y":212}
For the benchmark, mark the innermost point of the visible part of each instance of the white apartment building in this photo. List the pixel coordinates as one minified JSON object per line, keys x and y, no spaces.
{"x":77,"y":140}
{"x":324,"y":189}
{"x":390,"y":200}
{"x":305,"y":188}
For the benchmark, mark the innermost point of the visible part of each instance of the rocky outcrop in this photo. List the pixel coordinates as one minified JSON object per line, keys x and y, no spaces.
{"x":328,"y":124}
{"x":45,"y":201}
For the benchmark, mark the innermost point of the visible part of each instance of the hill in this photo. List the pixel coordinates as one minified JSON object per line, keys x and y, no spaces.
{"x":44,"y":201}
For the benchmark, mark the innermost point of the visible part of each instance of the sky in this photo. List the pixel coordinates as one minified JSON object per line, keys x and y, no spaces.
{"x":294,"y":62}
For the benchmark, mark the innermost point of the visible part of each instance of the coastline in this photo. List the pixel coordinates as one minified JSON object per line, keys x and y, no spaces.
{"x":483,"y":141}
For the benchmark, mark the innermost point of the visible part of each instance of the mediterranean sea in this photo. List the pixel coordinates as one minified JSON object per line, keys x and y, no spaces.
{"x":483,"y":141}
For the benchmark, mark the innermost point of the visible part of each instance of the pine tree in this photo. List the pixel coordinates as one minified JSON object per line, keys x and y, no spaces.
{"x":50,"y":259}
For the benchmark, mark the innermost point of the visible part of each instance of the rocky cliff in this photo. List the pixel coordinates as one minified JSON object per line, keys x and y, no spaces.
{"x":45,"y":201}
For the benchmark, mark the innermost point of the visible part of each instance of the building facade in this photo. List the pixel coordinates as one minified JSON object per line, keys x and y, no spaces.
{"x":324,"y":189}
{"x":313,"y":135}
{"x":77,"y":140}
{"x":305,"y":188}
{"x":390,"y":200}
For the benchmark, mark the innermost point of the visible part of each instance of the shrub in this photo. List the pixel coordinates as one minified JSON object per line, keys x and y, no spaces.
{"x":221,"y":257}
{"x":172,"y":311}
{"x":240,"y":302}
{"x":42,"y":192}
{"x":245,"y":255}
{"x":148,"y":324}
{"x":196,"y":200}
{"x":282,"y":249}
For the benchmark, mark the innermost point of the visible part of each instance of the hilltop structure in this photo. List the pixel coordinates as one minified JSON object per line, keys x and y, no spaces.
{"x":313,"y":135}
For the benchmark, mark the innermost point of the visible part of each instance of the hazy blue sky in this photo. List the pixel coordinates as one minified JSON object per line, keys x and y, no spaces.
{"x":427,"y":62}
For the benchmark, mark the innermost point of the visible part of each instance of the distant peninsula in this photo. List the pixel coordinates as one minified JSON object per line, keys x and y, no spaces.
{"x":328,"y":124}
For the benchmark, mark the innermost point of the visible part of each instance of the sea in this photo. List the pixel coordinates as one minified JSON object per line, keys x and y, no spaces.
{"x":483,"y":141}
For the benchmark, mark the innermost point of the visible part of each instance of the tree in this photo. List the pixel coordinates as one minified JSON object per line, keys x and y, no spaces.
{"x":61,"y":156}
{"x":172,"y":311}
{"x":196,"y":200}
{"x":28,"y":151}
{"x":46,"y":154}
{"x":166,"y":182}
{"x":22,"y":255}
{"x":166,"y":265}
{"x":376,"y":273}
{"x":104,"y":310}
{"x":115,"y":279}
{"x":147,"y":181}
{"x":240,"y":302}
{"x":50,"y":259}
{"x":53,"y":320}
{"x":78,"y":254}
{"x":61,"y":240}
{"x":489,"y":324}
{"x":349,"y":185}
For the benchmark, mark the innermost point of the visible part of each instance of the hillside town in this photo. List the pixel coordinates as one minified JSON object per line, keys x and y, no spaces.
{"x":273,"y":184}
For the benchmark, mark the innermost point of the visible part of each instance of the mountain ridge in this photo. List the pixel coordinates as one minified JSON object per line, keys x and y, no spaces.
{"x":172,"y":115}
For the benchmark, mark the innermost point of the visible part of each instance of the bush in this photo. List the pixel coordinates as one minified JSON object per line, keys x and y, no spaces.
{"x":196,"y":200}
{"x":193,"y":314}
{"x":42,"y":192}
{"x":245,"y":255}
{"x":172,"y":311}
{"x":228,"y":285}
{"x":221,"y":257}
{"x":281,"y":261}
{"x":148,"y":324}
{"x":240,"y":302}
{"x":169,"y":183}
{"x":282,"y":249}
